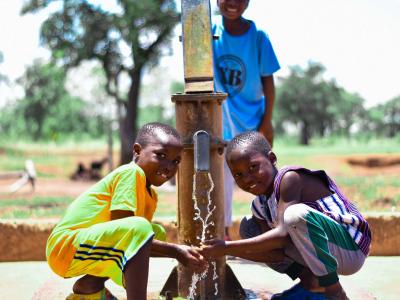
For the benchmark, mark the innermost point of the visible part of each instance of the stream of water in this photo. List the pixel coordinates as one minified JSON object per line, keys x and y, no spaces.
{"x":202,"y":188}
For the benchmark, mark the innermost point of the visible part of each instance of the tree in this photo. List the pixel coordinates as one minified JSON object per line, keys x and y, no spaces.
{"x":306,"y":99}
{"x":44,"y":87}
{"x":152,"y":112}
{"x":81,"y":31}
{"x":373,"y":121}
{"x":158,"y":105}
{"x":383,"y":119}
{"x":392,"y":113}
{"x":348,"y":111}
{"x":177,"y":87}
{"x":47,"y":111}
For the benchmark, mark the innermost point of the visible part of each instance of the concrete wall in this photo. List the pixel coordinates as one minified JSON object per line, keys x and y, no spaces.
{"x":24,"y":240}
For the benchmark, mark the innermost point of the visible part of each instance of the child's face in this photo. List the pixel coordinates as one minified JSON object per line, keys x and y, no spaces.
{"x":159,"y":160}
{"x":253,"y":171}
{"x":232,"y":9}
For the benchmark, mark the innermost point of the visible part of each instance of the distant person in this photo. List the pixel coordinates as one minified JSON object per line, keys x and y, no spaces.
{"x":244,"y":63}
{"x":302,"y":223}
{"x":107,"y":231}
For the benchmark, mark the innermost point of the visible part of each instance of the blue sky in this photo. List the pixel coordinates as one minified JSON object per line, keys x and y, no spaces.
{"x":358,"y":41}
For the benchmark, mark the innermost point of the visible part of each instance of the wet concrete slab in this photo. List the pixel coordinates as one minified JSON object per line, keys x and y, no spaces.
{"x":378,"y":279}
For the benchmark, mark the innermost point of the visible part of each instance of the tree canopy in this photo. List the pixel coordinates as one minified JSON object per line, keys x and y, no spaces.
{"x":48,"y":111}
{"x":304,"y":99}
{"x":317,"y":106}
{"x":383,"y":119}
{"x":124,"y":41}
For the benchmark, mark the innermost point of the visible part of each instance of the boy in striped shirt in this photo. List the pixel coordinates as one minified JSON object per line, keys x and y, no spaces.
{"x":302,"y":224}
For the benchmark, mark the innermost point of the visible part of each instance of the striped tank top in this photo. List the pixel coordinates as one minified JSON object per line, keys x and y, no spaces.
{"x":335,"y":206}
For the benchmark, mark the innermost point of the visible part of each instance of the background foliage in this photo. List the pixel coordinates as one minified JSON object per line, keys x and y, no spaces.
{"x":308,"y":106}
{"x":128,"y":42}
{"x":317,"y":107}
{"x":124,"y":41}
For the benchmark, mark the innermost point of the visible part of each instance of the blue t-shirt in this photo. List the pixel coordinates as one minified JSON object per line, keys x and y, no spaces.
{"x":239,"y":63}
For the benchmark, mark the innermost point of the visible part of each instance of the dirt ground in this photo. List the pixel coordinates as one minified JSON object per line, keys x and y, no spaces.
{"x":357,"y":165}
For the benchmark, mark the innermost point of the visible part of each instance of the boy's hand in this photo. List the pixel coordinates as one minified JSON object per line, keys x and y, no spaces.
{"x":213,"y":248}
{"x":190,"y":257}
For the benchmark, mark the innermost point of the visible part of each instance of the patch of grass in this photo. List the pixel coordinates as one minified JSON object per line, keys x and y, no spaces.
{"x":40,"y":160}
{"x":36,"y":207}
{"x":336,"y":146}
{"x":372,"y":193}
{"x":36,"y":201}
{"x":241,"y":208}
{"x":21,"y":213}
{"x":165,"y":208}
{"x":51,"y":159}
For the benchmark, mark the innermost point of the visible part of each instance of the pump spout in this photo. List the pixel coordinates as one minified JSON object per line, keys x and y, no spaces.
{"x":201,"y":141}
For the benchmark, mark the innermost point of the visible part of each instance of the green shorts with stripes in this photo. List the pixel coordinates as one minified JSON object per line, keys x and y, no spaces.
{"x":104,"y":249}
{"x":318,"y":243}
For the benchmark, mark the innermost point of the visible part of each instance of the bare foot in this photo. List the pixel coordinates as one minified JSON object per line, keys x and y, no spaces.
{"x":89,"y":284}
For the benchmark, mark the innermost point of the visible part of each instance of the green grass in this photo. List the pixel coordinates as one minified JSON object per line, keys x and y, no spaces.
{"x":241,"y":207}
{"x":289,"y":152}
{"x":37,"y":207}
{"x":165,"y":209}
{"x":336,"y":146}
{"x":372,"y":192}
{"x":44,"y":155}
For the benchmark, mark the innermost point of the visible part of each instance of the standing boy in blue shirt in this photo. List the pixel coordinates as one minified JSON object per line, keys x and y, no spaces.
{"x":244,"y":63}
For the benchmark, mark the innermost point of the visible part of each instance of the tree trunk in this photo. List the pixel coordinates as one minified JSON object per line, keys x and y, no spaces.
{"x":37,"y":134}
{"x":322,"y":129}
{"x":128,"y":130}
{"x":304,"y":133}
{"x":392,"y":124}
{"x":110,"y":146}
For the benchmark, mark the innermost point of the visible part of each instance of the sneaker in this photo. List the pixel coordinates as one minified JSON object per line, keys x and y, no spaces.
{"x":287,"y":293}
{"x":104,"y":294}
{"x":297,"y":292}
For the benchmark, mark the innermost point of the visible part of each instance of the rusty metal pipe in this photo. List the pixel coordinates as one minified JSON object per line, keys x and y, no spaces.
{"x":194,"y":113}
{"x":200,"y":175}
{"x":197,"y":46}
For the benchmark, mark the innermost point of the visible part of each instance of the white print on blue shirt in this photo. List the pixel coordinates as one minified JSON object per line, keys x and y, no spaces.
{"x":239,"y":63}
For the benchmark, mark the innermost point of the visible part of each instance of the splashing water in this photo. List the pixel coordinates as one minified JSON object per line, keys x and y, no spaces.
{"x":198,"y":277}
{"x":215,"y":276}
{"x":197,"y":211}
{"x":205,"y":222}
{"x":195,"y":279}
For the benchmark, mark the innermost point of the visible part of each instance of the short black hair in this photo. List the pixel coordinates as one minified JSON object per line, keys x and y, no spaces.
{"x":151,"y":130}
{"x":249,"y":141}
